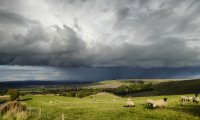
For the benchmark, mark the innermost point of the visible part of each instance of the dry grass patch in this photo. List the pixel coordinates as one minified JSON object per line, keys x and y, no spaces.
{"x":14,"y":110}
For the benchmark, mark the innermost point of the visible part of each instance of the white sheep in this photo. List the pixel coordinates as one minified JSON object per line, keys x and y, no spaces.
{"x":149,"y":102}
{"x":130,"y":103}
{"x":196,"y":99}
{"x":184,"y":99}
{"x":160,"y":103}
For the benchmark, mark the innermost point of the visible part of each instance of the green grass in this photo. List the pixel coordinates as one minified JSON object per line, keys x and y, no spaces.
{"x":104,"y":106}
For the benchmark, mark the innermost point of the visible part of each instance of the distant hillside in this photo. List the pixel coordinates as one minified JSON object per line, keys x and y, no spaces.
{"x":132,"y":87}
{"x":174,"y":87}
{"x":159,"y":86}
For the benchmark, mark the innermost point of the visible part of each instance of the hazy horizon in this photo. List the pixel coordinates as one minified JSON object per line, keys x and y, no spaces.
{"x":46,"y":73}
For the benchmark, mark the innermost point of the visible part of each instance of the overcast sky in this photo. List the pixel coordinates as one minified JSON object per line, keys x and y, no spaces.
{"x":100,"y":33}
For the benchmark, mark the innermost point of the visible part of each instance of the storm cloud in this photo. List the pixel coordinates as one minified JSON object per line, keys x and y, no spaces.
{"x":100,"y":33}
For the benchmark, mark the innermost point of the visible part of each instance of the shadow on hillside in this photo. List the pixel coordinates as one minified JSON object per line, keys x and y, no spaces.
{"x":25,"y":99}
{"x":189,"y":109}
{"x":172,"y":88}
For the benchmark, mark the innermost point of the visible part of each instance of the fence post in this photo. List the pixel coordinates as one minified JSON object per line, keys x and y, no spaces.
{"x":30,"y":109}
{"x":63,"y":116}
{"x":40,"y":112}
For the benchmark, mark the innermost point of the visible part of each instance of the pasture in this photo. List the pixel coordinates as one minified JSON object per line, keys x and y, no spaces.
{"x":105,"y":106}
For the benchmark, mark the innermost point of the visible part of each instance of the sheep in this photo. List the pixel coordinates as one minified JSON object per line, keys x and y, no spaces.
{"x":160,"y":103}
{"x":196,"y":99}
{"x":149,"y":102}
{"x":184,"y":99}
{"x":129,"y":103}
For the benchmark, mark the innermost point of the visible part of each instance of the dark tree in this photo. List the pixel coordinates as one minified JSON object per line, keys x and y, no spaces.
{"x":14,"y":94}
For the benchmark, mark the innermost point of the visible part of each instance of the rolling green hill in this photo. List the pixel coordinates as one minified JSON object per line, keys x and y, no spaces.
{"x":159,"y":86}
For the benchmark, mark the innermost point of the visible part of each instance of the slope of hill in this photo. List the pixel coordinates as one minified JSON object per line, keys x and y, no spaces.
{"x":159,"y":86}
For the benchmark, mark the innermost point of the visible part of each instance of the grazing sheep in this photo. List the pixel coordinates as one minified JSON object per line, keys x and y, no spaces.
{"x":149,"y":102}
{"x":184,"y":99}
{"x":196,"y":99}
{"x":130,"y":103}
{"x":160,"y":103}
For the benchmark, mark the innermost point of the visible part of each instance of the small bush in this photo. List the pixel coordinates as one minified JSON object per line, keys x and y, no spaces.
{"x":14,"y":94}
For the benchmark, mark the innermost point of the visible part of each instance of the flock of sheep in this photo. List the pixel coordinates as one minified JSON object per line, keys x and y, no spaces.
{"x":156,"y":103}
{"x":185,"y":99}
{"x":163,"y":102}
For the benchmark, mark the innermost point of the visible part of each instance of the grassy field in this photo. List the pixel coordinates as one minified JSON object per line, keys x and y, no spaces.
{"x":105,"y":106}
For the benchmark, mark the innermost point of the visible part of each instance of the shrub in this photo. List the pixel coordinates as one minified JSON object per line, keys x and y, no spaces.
{"x":14,"y":94}
{"x":82,"y":94}
{"x":70,"y":94}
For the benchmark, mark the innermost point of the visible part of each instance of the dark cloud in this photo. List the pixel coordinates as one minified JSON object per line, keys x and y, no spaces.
{"x":146,"y":33}
{"x":11,"y":18}
{"x":171,"y":52}
{"x":38,"y":46}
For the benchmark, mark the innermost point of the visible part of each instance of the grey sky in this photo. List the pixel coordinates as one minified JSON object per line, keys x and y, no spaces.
{"x":100,"y":33}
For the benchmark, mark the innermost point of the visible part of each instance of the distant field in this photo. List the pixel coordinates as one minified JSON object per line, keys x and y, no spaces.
{"x":159,"y":86}
{"x":104,"y":106}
